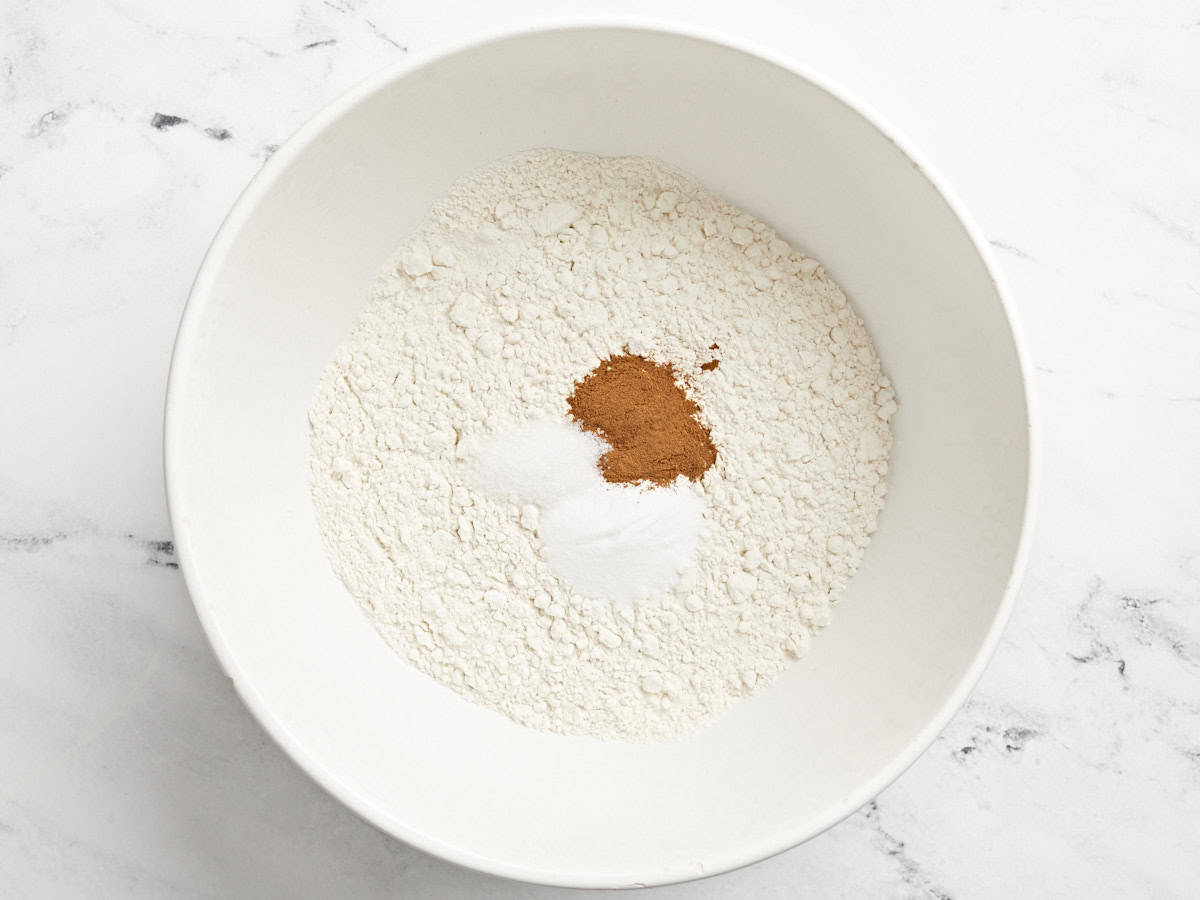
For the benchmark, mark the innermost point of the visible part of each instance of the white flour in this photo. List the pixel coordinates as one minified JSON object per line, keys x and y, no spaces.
{"x":515,"y":287}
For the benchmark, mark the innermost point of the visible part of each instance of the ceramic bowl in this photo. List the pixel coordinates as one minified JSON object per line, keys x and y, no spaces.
{"x":282,"y":285}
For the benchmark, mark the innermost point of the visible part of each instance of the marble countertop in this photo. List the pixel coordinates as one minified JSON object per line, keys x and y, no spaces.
{"x":128,"y":767}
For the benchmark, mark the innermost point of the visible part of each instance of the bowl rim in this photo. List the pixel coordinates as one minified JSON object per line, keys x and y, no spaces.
{"x":173,"y":448}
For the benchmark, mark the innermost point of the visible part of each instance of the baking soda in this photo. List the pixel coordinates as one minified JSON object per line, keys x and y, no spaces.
{"x":610,"y":542}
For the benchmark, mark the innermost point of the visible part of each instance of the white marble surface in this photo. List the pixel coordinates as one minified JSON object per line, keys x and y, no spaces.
{"x":128,"y":767}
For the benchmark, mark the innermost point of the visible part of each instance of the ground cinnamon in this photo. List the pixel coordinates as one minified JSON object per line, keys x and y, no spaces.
{"x":652,"y":425}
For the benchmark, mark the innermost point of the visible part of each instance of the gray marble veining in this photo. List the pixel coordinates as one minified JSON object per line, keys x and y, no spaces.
{"x":127,"y":764}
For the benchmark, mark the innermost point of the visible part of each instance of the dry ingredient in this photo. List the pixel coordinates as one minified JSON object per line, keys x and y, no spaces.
{"x":525,"y":278}
{"x":610,"y":542}
{"x":646,"y":416}
{"x":540,"y":463}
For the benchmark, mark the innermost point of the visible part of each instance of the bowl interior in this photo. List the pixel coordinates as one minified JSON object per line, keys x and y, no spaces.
{"x":285,"y":281}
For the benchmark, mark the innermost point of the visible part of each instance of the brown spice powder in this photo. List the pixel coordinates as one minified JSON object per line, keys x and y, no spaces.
{"x":640,"y":408}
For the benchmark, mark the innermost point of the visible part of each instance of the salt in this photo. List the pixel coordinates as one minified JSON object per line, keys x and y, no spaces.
{"x":541,"y":462}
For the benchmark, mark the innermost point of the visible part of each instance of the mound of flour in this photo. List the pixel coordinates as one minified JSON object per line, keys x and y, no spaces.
{"x":517,"y":284}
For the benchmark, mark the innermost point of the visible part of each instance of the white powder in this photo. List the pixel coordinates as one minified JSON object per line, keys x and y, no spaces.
{"x":623,"y":543}
{"x":617,"y":543}
{"x":541,"y":462}
{"x":515,"y":287}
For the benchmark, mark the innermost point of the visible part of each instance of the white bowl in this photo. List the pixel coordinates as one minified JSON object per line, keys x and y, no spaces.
{"x":288,"y":274}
